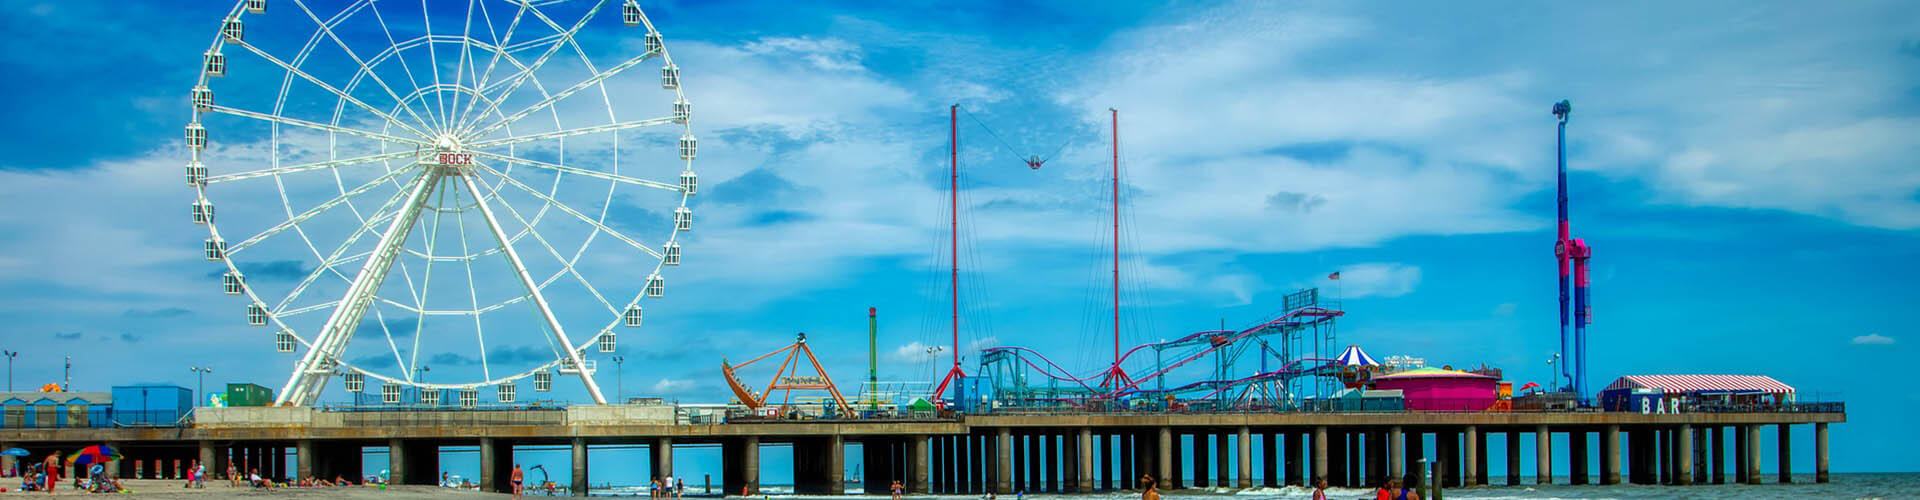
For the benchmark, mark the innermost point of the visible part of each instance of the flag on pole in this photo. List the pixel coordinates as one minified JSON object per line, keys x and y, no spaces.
{"x":1335,"y":276}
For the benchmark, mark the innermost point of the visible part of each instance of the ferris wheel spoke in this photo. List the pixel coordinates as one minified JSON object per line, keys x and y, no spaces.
{"x":572,"y":132}
{"x":434,"y":69}
{"x":473,"y":295}
{"x":466,"y":36}
{"x":329,"y":88}
{"x":426,"y":278}
{"x":568,"y":34}
{"x":539,"y":302}
{"x":563,"y":94}
{"x":582,"y":172}
{"x":310,"y":166}
{"x":404,"y":67}
{"x":333,"y":259}
{"x":405,"y":367}
{"x":327,"y":28}
{"x":317,"y":126}
{"x":570,"y":211}
{"x":480,"y":81}
{"x":565,"y":263}
{"x":304,"y":310}
{"x":310,"y":213}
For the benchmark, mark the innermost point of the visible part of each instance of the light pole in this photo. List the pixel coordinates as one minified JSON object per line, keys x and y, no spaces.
{"x":69,"y":376}
{"x":620,"y":381}
{"x":10,"y":356}
{"x":201,"y":385}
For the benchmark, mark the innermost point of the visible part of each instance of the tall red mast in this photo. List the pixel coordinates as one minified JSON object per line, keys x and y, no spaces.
{"x":953,"y":239}
{"x":1115,"y":376}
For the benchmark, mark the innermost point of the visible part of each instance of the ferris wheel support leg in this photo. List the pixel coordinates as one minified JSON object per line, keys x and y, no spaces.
{"x":538,"y":300}
{"x":310,"y":376}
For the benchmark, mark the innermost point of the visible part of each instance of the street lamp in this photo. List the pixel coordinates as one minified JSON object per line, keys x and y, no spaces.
{"x":620,"y":381}
{"x":201,"y":385}
{"x":10,"y":356}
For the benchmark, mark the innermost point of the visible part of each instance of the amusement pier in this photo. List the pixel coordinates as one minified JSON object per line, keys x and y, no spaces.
{"x":1003,"y":452}
{"x":1282,"y":399}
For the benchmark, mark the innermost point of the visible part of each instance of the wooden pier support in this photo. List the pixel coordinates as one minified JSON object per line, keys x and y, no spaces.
{"x":1083,"y":472}
{"x":1319,"y":452}
{"x":1223,"y":461}
{"x":1716,"y":455}
{"x":496,"y":470}
{"x":1610,"y":455}
{"x":1578,"y":467}
{"x":1293,"y":462}
{"x":1513,"y":458}
{"x":1270,"y":467}
{"x":1542,"y":455}
{"x":1683,"y":456}
{"x":1396,"y":452}
{"x":1471,"y":469}
{"x":1820,"y":452}
{"x":581,"y":467}
{"x":1243,"y":443}
{"x":1753,"y":454}
{"x":1786,"y":453}
{"x":740,"y":466}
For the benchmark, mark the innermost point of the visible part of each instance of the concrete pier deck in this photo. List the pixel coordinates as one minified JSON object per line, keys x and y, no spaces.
{"x":1064,"y":453}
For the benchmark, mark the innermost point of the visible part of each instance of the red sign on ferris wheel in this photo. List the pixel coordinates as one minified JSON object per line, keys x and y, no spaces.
{"x":456,"y":159}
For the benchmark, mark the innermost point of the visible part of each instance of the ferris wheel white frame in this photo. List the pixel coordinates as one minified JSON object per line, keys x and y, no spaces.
{"x":426,"y":158}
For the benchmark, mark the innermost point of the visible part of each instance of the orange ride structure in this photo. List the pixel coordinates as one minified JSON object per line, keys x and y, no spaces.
{"x":787,"y":379}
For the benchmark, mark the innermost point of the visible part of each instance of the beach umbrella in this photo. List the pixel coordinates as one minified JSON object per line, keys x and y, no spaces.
{"x":15,"y":452}
{"x":96,"y":454}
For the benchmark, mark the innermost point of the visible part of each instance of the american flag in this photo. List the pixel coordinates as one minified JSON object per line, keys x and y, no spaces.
{"x":1334,"y":276}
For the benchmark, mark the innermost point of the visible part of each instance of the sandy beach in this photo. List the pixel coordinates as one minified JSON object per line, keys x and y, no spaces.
{"x":168,"y":488}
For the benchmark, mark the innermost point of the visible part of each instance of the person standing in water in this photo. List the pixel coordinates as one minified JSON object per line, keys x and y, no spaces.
{"x":1319,"y":488}
{"x":1149,"y":492}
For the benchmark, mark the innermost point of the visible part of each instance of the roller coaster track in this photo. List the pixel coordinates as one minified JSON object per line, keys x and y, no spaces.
{"x":1214,"y":340}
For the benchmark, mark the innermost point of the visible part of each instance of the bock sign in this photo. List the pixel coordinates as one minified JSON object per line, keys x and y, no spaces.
{"x":456,"y":159}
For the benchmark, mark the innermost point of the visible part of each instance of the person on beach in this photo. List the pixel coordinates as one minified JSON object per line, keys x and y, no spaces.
{"x":1146,"y":481}
{"x":1402,"y":492}
{"x":233,"y":476}
{"x":679,"y":487}
{"x":896,"y":488}
{"x":200,"y":475}
{"x":1319,"y":488}
{"x":52,"y":464}
{"x":1148,"y":492}
{"x":516,"y":477}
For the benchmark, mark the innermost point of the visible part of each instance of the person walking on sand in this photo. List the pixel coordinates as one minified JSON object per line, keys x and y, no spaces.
{"x":233,"y":476}
{"x":516,"y":477}
{"x":52,"y":464}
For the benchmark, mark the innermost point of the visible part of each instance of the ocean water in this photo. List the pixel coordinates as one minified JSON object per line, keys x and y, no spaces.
{"x":1842,"y":486}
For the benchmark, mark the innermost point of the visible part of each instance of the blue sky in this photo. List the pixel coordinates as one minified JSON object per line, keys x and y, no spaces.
{"x":1741,"y":169}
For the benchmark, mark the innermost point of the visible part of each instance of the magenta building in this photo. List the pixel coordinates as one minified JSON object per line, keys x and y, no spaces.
{"x":1434,"y":389}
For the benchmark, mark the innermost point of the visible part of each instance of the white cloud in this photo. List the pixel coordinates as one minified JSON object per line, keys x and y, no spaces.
{"x":1505,"y":309}
{"x":1873,"y":339}
{"x":1377,"y":279}
{"x":670,"y":386}
{"x":914,"y":352}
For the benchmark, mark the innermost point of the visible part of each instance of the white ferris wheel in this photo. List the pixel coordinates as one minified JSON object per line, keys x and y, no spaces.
{"x":468,"y":187}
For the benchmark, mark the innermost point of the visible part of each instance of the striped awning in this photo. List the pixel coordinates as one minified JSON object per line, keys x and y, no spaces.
{"x":1678,"y":384}
{"x":1353,"y":356}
